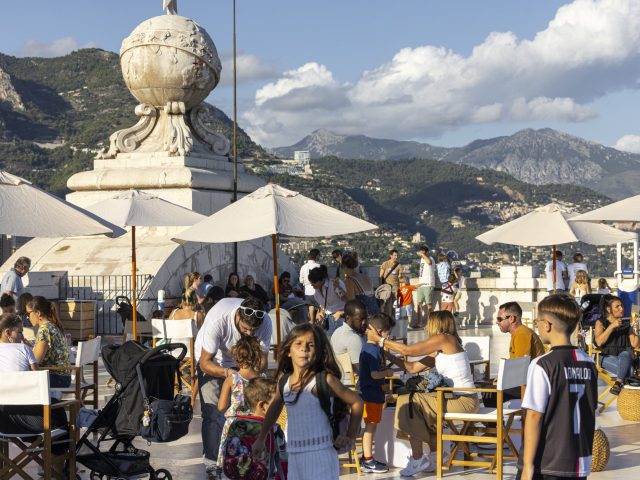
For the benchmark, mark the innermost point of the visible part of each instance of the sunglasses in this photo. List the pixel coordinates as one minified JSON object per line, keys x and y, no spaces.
{"x":259,"y":314}
{"x":500,"y":319}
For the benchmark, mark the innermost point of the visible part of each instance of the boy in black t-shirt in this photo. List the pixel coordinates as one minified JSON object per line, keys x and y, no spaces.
{"x":560,"y":399}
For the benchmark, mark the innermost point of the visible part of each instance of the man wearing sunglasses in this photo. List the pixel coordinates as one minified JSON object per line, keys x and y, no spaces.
{"x":227,"y":321}
{"x":524,"y":341}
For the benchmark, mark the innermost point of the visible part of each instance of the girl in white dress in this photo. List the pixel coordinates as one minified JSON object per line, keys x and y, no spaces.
{"x":311,"y":447}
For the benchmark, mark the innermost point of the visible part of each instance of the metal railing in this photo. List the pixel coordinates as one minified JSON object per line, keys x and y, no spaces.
{"x":104,"y":289}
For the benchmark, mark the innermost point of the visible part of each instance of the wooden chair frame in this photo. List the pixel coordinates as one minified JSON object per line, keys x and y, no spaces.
{"x":501,"y":416}
{"x":606,"y":398}
{"x":39,"y":450}
{"x":344,"y":362}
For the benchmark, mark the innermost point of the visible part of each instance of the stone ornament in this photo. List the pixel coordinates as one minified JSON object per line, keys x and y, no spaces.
{"x":170,"y":64}
{"x":128,"y":139}
{"x":170,"y":58}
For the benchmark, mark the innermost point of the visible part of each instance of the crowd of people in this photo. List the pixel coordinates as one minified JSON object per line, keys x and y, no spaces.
{"x":348,"y":314}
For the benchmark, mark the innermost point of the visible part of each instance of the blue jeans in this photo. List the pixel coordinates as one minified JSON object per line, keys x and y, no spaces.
{"x":333,"y":324}
{"x":212,"y":420}
{"x":621,"y":365}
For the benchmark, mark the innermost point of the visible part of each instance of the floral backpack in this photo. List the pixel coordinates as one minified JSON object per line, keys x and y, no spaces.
{"x":239,"y":464}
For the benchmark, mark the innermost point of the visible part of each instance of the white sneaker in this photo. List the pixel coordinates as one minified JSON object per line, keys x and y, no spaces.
{"x":414,"y":466}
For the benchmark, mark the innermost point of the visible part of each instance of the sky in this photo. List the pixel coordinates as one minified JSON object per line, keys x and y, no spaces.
{"x":445,"y":72}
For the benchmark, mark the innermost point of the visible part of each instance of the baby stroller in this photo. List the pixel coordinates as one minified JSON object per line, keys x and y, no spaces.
{"x":590,"y":306}
{"x":125,"y":310}
{"x":120,"y":421}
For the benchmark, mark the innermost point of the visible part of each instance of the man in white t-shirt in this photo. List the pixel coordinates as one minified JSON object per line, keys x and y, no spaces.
{"x":330,"y":297}
{"x":223,"y":326}
{"x":562,"y":275}
{"x":577,"y":265}
{"x":426,"y":284}
{"x":350,"y":337}
{"x":312,"y":262}
{"x":15,"y":356}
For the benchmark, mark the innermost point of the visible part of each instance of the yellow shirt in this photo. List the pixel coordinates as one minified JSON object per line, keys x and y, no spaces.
{"x":525,"y":341}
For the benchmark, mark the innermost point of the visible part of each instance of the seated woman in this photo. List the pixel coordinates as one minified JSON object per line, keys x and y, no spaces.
{"x":192,"y":284}
{"x":616,"y":340}
{"x":250,"y":287}
{"x":21,"y":308}
{"x":15,"y":356}
{"x":442,"y":349}
{"x":233,"y":285}
{"x":51,"y":348}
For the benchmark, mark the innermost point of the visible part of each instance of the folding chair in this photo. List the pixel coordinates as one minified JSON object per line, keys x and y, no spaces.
{"x":478,"y":350}
{"x":87,"y":354}
{"x":179,"y":331}
{"x":606,"y":398}
{"x":32,"y":388}
{"x":344,"y":361}
{"x":512,"y":373}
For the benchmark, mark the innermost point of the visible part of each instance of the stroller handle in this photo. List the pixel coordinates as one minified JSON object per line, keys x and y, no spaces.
{"x":170,"y":347}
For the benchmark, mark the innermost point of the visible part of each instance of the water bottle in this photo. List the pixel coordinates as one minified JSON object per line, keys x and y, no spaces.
{"x":161,"y":301}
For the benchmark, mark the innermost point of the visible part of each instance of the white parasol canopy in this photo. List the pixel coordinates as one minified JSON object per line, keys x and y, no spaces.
{"x":627,"y":210}
{"x":134,"y":208}
{"x":273,"y":210}
{"x":28,"y":211}
{"x":551,"y":225}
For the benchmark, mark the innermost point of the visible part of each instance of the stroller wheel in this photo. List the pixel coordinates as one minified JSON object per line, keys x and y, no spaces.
{"x":162,"y":474}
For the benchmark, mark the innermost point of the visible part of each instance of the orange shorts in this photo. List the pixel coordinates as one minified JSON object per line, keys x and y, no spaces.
{"x":372,"y":412}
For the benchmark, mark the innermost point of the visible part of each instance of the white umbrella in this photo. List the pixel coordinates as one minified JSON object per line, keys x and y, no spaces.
{"x":550,"y":225}
{"x":273,"y":210}
{"x":627,"y":210}
{"x":134,"y":208}
{"x":28,"y":211}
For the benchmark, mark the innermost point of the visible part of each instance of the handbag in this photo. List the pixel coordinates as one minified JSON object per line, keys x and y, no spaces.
{"x":422,"y":384}
{"x":164,"y":420}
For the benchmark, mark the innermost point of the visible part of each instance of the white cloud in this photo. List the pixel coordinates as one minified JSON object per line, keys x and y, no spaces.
{"x":590,"y":48}
{"x":628,"y":143}
{"x":55,"y":48}
{"x":248,"y":68}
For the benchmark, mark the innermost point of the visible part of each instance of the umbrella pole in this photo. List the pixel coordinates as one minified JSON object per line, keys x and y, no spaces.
{"x":554,"y":269}
{"x":134,"y":313}
{"x":276,"y":287}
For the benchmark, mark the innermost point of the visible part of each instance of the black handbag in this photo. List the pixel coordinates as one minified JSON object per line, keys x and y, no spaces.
{"x":164,"y":420}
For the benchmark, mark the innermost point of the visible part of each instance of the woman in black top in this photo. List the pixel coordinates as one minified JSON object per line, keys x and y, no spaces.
{"x":616,"y":340}
{"x":233,"y":285}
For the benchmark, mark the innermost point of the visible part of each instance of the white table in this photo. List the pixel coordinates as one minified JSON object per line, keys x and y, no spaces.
{"x":389,"y":449}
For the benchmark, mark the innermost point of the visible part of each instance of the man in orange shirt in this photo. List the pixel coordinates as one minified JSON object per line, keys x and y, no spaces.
{"x":524,"y":341}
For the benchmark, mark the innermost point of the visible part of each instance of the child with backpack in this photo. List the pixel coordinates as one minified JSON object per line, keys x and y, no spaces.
{"x":238,"y":463}
{"x":372,"y":375}
{"x":248,"y":356}
{"x":448,"y":293}
{"x":309,"y":379}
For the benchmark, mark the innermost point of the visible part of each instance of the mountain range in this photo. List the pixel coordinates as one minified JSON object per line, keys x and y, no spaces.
{"x":543,"y":156}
